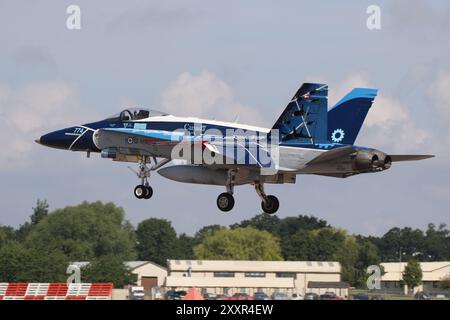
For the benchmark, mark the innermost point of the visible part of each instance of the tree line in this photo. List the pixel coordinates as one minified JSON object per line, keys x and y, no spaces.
{"x":41,"y":249}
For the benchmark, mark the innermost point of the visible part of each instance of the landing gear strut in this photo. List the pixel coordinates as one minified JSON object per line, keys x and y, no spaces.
{"x":144,"y":191}
{"x":225,"y":201}
{"x":269,"y":203}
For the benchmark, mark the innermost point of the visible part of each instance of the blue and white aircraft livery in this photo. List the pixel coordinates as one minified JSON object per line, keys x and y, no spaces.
{"x":306,"y":139}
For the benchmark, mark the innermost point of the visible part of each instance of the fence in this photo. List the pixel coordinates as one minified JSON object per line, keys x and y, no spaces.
{"x":56,"y":291}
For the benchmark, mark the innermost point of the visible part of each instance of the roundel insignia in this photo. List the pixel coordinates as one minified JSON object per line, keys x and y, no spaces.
{"x":338,"y":135}
{"x":130,"y":140}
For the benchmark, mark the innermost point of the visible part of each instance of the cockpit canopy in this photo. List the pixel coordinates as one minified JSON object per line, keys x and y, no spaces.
{"x":130,"y":114}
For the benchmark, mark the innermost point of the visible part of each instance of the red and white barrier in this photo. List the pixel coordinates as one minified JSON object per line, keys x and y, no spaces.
{"x":56,"y":291}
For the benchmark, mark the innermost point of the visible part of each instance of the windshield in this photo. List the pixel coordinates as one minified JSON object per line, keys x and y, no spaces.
{"x":135,"y":114}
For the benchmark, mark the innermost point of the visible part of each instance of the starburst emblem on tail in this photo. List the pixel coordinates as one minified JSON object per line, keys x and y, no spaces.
{"x":338,"y":135}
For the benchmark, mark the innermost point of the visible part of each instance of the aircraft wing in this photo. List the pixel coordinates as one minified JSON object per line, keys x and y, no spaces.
{"x":134,"y":141}
{"x":410,"y":157}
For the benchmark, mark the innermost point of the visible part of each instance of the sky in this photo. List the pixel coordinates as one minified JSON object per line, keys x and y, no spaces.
{"x":222,"y":60}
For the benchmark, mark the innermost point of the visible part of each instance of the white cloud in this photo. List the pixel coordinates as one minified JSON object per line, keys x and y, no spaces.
{"x":389,"y":124}
{"x":439,"y":94}
{"x":205,"y":95}
{"x":27,"y":113}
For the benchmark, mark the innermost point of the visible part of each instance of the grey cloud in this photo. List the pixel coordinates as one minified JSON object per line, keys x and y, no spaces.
{"x":33,"y":56}
{"x":419,"y":14}
{"x":152,"y":17}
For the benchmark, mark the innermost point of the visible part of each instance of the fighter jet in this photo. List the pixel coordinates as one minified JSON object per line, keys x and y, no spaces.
{"x":306,"y":139}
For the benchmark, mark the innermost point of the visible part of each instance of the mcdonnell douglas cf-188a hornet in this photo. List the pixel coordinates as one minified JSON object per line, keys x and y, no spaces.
{"x":306,"y":139}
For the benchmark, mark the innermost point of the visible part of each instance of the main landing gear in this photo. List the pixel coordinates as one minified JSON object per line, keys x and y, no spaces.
{"x":269,"y":203}
{"x":225,"y":201}
{"x":144,"y":191}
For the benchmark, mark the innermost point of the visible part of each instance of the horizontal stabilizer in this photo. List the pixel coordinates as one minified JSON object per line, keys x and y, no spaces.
{"x":410,"y":157}
{"x":332,"y":154}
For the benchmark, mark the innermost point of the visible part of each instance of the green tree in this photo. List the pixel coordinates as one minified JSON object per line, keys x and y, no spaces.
{"x":6,"y":235}
{"x":265,"y":222}
{"x":184,"y":248}
{"x":156,"y":240}
{"x":20,"y":264}
{"x":14,"y":258}
{"x":412,"y":275}
{"x":85,"y":232}
{"x":39,"y":212}
{"x":108,"y":269}
{"x":206,"y":231}
{"x":239,"y":244}
{"x":445,"y":282}
{"x":407,"y":240}
{"x":282,"y":228}
{"x":300,"y":247}
{"x":437,"y":243}
{"x":290,"y":225}
{"x":347,"y":255}
{"x":45,"y":266}
{"x":367,"y":256}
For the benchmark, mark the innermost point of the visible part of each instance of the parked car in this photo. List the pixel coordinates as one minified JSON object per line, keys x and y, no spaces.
{"x":222,"y":297}
{"x":175,"y":295}
{"x":179,"y":295}
{"x":210,"y":296}
{"x":361,"y":296}
{"x":240,"y":296}
{"x":136,"y":293}
{"x":329,"y":296}
{"x":279,"y":296}
{"x":169,"y":294}
{"x":311,"y":296}
{"x":422,"y":295}
{"x":296,"y":296}
{"x":259,"y":295}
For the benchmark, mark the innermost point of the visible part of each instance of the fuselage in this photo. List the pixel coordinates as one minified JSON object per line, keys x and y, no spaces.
{"x":81,"y":138}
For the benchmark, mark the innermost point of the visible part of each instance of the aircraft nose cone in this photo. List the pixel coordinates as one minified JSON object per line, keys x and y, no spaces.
{"x":57,"y":139}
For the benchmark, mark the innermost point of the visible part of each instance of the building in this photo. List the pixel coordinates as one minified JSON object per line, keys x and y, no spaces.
{"x":149,"y":274}
{"x":432,"y":273}
{"x":229,"y":277}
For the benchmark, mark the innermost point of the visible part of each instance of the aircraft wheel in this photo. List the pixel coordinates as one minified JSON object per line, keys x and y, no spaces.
{"x":140,"y":191}
{"x":148,"y":192}
{"x":225,"y":201}
{"x":271,"y":205}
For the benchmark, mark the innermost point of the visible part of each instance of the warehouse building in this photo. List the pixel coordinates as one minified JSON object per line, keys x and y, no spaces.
{"x":432,"y":274}
{"x":149,"y":274}
{"x":229,"y":277}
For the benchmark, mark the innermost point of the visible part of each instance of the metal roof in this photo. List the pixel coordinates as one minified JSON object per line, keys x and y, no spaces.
{"x":254,"y":266}
{"x":327,"y":284}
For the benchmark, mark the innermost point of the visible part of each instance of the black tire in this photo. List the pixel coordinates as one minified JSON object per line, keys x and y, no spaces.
{"x":271,"y":205}
{"x":140,"y":191}
{"x":149,"y":192}
{"x":225,"y":201}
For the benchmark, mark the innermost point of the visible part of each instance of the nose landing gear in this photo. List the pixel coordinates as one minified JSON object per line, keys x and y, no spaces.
{"x":225,"y":201}
{"x":144,"y":191}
